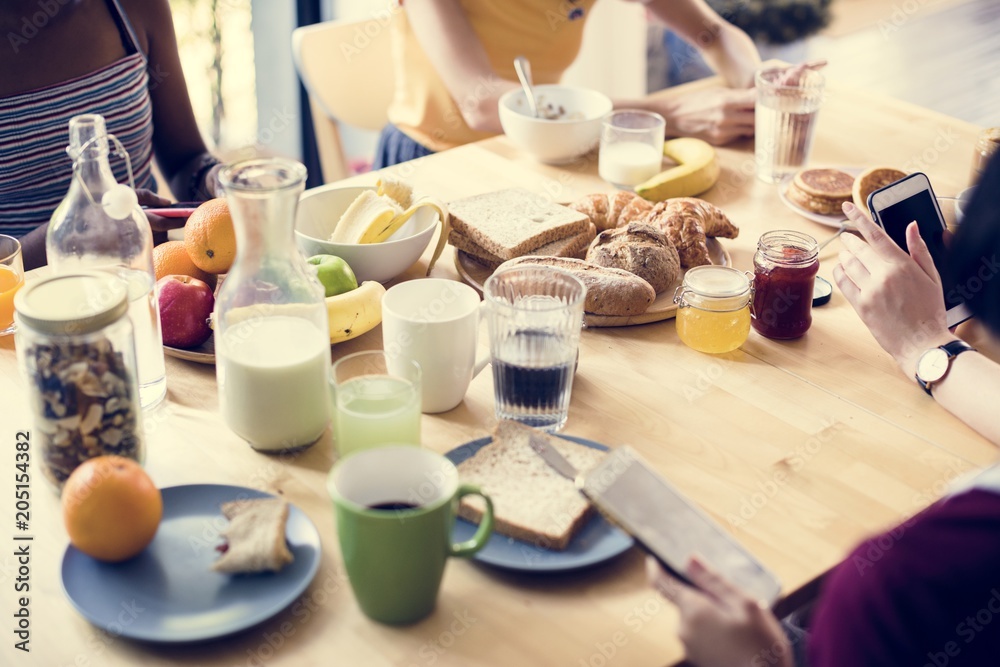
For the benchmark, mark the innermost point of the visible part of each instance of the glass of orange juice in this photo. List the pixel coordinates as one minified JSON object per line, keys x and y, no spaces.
{"x":11,"y":279}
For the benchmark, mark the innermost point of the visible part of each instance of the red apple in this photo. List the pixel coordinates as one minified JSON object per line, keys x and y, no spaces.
{"x":185,"y":306}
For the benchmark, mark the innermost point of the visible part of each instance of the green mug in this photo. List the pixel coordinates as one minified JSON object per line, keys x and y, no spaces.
{"x":395,"y":508}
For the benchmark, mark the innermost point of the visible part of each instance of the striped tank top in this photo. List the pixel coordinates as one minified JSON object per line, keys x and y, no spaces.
{"x":35,"y":171}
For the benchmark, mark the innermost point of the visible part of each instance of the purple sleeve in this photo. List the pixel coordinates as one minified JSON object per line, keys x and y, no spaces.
{"x":925,"y":594}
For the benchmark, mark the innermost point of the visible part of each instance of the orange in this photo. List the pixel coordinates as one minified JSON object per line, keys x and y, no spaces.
{"x":111,"y":508}
{"x":210,"y":238}
{"x":171,"y":258}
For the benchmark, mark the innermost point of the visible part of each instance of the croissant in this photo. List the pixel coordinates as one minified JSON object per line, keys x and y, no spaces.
{"x":615,"y":210}
{"x":713,"y":220}
{"x":682,"y":225}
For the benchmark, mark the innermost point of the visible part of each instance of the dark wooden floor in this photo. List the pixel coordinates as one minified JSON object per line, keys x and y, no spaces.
{"x":946,"y":60}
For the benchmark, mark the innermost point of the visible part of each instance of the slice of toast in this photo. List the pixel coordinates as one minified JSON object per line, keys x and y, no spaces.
{"x":531,"y":502}
{"x":511,"y":223}
{"x":255,"y":537}
{"x":571,"y":246}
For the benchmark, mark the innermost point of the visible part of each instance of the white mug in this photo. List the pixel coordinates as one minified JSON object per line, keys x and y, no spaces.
{"x":434,"y":322}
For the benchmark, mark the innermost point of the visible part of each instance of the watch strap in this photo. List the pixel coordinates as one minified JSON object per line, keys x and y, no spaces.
{"x":952,"y":349}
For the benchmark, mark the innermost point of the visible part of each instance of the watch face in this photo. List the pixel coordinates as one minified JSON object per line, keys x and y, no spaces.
{"x":932,"y":365}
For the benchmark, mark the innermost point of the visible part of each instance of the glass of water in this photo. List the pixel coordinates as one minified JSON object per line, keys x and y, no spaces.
{"x":534,"y":315}
{"x":373,"y":406}
{"x":785,"y":120}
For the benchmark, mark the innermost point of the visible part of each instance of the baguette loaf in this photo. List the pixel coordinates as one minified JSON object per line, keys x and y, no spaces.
{"x":571,"y":246}
{"x":531,"y":502}
{"x":515,"y":222}
{"x":614,"y":292}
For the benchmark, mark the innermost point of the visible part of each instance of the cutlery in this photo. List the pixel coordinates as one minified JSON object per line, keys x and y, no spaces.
{"x":523,"y":69}
{"x":552,"y":457}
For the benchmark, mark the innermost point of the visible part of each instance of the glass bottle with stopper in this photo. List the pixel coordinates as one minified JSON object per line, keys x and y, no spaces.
{"x":100,"y":226}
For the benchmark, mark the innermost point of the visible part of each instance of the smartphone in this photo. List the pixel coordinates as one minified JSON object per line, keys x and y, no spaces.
{"x":897,"y":205}
{"x":627,"y":491}
{"x":181,"y":209}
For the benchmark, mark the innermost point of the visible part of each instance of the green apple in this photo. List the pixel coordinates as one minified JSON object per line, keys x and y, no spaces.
{"x":334,"y":274}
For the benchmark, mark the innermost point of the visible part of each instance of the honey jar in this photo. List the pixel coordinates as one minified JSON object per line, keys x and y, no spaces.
{"x":713,"y":308}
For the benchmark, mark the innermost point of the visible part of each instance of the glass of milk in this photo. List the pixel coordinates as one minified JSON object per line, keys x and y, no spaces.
{"x":272,"y":333}
{"x":631,"y":147}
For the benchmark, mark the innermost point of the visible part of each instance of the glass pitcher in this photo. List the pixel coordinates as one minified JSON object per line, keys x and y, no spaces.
{"x":272,"y":335}
{"x":100,"y":226}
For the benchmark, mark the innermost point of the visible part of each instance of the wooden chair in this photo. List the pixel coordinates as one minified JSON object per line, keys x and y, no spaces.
{"x":346,"y":67}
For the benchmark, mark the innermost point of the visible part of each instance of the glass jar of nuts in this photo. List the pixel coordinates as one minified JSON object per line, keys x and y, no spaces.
{"x":77,"y":352}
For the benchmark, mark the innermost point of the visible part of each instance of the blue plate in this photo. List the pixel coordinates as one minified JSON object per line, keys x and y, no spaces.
{"x":169,"y":592}
{"x":596,"y":543}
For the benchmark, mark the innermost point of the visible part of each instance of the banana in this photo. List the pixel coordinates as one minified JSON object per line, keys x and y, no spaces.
{"x":356,"y":312}
{"x":369,"y":211}
{"x":396,"y":190}
{"x":697,"y":170}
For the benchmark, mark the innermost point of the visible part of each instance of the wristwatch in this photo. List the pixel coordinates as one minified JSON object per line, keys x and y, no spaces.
{"x":934,"y":364}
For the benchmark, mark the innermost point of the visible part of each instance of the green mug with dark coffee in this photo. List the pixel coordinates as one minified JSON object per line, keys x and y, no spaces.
{"x":395,"y":508}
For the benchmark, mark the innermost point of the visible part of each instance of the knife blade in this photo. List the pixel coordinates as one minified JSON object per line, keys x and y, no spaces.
{"x":552,"y":457}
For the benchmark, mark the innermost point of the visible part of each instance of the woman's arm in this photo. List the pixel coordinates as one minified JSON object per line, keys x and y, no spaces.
{"x":715,"y":115}
{"x":899,"y":298}
{"x":180,"y":151}
{"x":447,"y":37}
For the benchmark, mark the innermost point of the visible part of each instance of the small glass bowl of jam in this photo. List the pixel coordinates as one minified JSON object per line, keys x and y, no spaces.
{"x":785,"y":268}
{"x":713,"y":308}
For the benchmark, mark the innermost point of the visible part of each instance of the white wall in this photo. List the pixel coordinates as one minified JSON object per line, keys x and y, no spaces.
{"x":613,"y":57}
{"x":278,"y":113}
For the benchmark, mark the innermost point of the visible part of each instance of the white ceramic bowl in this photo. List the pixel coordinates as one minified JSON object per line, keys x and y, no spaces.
{"x":555,"y":141}
{"x":321,"y":208}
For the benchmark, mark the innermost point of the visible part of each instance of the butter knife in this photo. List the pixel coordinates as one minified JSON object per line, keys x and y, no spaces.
{"x":552,"y":457}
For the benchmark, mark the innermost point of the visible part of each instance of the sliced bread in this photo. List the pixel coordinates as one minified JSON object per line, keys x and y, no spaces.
{"x":255,"y":537}
{"x":531,"y":502}
{"x":511,"y":223}
{"x":571,"y":246}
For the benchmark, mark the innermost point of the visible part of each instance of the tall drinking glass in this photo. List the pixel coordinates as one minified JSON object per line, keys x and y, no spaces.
{"x":785,"y":117}
{"x":534,"y":315}
{"x":631,"y":147}
{"x":374,"y":405}
{"x":11,"y":280}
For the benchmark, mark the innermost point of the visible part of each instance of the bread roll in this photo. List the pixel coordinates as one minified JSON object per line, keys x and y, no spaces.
{"x":614,"y":210}
{"x":640,"y":249}
{"x":613,"y":292}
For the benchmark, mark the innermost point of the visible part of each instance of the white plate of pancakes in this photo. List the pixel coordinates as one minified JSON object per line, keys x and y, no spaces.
{"x":818,"y":193}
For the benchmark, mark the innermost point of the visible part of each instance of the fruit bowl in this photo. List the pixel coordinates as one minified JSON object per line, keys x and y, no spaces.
{"x":559,"y":140}
{"x":321,"y":208}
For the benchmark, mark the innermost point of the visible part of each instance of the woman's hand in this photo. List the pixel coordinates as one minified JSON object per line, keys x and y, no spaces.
{"x":717,"y":115}
{"x":158,"y":223}
{"x":720,"y":625}
{"x":898,"y":295}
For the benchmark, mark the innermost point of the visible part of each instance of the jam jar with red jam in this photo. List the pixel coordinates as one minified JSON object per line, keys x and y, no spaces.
{"x":785,"y":268}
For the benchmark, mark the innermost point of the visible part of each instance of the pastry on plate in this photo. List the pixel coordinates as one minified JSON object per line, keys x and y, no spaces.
{"x":686,"y":221}
{"x":255,"y":537}
{"x":870,"y":180}
{"x":822,"y":191}
{"x":615,"y":210}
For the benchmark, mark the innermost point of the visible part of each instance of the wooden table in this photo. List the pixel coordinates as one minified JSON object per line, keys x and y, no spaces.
{"x":801,"y":448}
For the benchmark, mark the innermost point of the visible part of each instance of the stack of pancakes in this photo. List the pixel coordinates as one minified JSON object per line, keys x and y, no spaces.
{"x":822,"y":191}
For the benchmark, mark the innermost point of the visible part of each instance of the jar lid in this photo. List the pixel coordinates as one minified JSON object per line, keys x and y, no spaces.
{"x":72,"y":304}
{"x":716,"y":281}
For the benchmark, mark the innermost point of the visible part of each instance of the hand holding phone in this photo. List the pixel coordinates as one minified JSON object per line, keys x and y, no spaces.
{"x":911,"y":199}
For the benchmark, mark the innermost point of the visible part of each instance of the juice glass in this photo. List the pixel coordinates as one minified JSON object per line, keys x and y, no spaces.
{"x":373,"y":406}
{"x":11,"y":280}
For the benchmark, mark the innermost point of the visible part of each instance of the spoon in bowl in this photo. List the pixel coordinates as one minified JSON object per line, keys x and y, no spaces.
{"x":523,"y":69}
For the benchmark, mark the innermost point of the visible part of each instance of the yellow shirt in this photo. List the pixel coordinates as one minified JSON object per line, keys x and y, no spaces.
{"x":547,"y":32}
